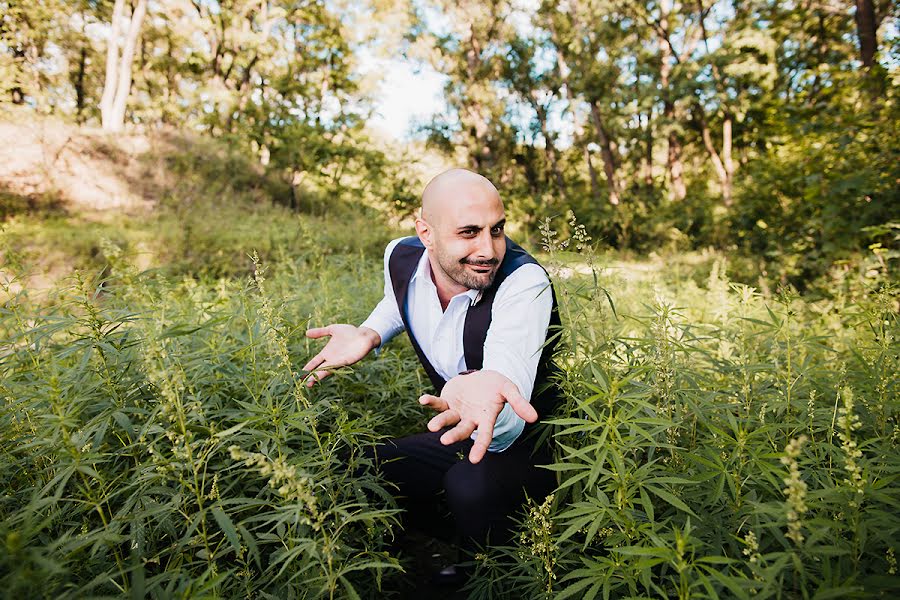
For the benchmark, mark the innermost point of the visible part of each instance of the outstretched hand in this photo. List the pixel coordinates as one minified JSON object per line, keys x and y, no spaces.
{"x":473,"y":401}
{"x":348,"y":344}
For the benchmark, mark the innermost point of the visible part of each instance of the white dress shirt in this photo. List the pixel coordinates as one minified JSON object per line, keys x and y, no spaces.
{"x":520,"y":316}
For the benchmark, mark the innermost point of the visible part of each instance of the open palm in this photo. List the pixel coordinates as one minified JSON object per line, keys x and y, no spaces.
{"x":348,"y":344}
{"x":473,"y":402}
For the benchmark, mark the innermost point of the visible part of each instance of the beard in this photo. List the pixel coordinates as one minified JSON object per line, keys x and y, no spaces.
{"x":460,"y":270}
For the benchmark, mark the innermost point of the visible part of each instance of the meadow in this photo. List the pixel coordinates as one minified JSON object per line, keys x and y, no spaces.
{"x":717,"y":440}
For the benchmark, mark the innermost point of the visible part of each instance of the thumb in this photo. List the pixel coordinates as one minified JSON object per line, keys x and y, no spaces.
{"x":313,"y":377}
{"x":435,"y":402}
{"x":317,"y":332}
{"x":520,"y":405}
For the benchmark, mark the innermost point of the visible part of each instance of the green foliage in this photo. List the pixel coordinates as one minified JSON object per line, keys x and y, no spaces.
{"x":820,"y":190}
{"x":715,"y":442}
{"x":745,"y":126}
{"x":158,"y":441}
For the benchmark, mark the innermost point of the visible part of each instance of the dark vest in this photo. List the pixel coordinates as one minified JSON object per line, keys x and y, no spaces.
{"x":402,"y":264}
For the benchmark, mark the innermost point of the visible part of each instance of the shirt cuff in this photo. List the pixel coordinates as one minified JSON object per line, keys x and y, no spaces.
{"x":383,"y":328}
{"x":507,"y":429}
{"x":514,"y":369}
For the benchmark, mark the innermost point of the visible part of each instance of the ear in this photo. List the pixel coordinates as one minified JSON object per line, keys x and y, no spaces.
{"x":425,"y":232}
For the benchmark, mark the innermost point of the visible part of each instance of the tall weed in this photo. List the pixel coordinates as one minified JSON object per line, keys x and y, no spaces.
{"x":715,"y":440}
{"x":714,"y":443}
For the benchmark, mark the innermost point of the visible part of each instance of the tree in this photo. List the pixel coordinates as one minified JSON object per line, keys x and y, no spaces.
{"x":588,"y":50}
{"x":588,"y":37}
{"x":117,"y":85}
{"x":866,"y":27}
{"x":564,"y":73}
{"x":470,"y":51}
{"x":664,"y":23}
{"x":728,"y":81}
{"x":31,"y":71}
{"x":536,"y":89}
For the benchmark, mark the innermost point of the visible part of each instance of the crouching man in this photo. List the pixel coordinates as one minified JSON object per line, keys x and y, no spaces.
{"x":479,"y":312}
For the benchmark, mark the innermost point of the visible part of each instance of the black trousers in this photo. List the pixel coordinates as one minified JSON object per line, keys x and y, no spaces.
{"x":482,"y":498}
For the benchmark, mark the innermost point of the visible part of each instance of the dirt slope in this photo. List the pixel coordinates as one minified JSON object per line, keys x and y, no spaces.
{"x":79,"y":170}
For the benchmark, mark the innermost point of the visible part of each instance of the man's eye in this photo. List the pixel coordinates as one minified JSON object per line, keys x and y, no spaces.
{"x":468,"y":232}
{"x":496,"y":230}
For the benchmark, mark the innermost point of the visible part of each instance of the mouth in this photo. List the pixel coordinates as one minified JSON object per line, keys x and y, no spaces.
{"x":481,"y":269}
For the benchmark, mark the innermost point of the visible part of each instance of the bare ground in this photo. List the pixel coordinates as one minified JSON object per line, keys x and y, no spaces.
{"x":80,"y":170}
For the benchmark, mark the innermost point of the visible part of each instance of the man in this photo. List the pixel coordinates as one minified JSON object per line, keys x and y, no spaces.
{"x":479,"y":311}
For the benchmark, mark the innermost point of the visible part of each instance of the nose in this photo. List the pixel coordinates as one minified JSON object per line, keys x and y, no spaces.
{"x":485,"y":249}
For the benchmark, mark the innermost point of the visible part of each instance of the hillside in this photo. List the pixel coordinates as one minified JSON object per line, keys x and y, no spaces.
{"x":53,"y":166}
{"x":168,"y":199}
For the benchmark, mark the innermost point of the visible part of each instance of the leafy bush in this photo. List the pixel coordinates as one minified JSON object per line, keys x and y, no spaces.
{"x":815,"y":196}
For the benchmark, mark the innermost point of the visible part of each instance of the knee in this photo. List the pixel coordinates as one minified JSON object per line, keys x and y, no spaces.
{"x":468,"y":488}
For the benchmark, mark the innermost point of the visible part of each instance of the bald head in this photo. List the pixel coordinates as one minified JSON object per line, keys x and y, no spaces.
{"x":452,"y":188}
{"x":462,"y":226}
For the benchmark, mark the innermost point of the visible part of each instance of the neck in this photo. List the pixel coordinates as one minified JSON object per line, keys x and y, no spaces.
{"x":446,"y":287}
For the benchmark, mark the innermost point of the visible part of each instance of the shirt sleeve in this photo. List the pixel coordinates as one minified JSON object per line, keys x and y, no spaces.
{"x":515,"y":339}
{"x":385,"y":318}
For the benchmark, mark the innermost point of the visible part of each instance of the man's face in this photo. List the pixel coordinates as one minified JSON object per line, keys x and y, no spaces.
{"x":467,"y":238}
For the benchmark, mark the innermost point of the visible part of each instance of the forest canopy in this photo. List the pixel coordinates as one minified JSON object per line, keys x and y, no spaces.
{"x":766,"y":128}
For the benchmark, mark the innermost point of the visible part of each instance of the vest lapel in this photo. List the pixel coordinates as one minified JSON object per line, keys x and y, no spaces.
{"x":478,"y":317}
{"x":401,"y":265}
{"x":478,"y":320}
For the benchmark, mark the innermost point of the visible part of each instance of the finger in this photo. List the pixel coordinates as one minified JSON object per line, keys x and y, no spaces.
{"x":435,"y":402}
{"x":314,"y":363}
{"x":316,"y":377}
{"x":459,"y":433}
{"x":317,"y":332}
{"x":520,"y":405}
{"x":482,"y":441}
{"x":445,"y":419}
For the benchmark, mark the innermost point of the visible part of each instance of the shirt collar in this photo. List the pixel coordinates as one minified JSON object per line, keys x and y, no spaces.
{"x":423,"y":271}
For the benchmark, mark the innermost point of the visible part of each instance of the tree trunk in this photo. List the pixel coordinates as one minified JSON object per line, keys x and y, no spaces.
{"x":480,"y":156}
{"x":728,"y":163}
{"x":117,"y":86}
{"x":79,"y":84}
{"x":610,"y":164}
{"x":676,"y":168}
{"x":564,"y":71}
{"x":124,"y":82}
{"x":592,"y":172}
{"x":550,"y":149}
{"x":723,"y":164}
{"x":243,"y":94}
{"x":525,"y":161}
{"x":647,"y":161}
{"x":16,"y":92}
{"x":296,"y":190}
{"x":112,"y":61}
{"x":674,"y":165}
{"x":866,"y":27}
